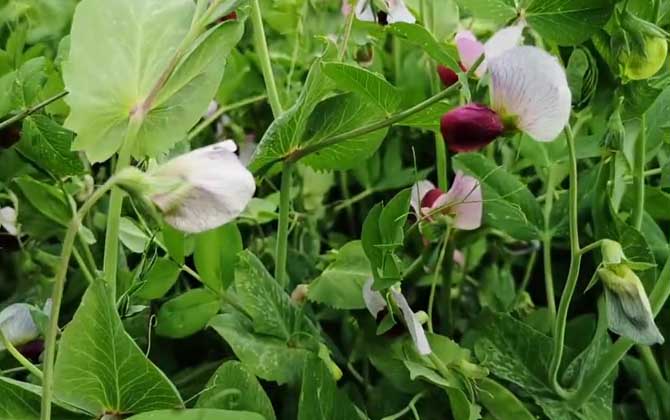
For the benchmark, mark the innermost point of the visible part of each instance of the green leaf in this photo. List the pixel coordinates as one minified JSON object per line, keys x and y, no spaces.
{"x":517,"y":353}
{"x":265,"y":356}
{"x":319,"y":396}
{"x":371,"y":237}
{"x":341,"y":284}
{"x":232,"y":387}
{"x":107,"y":81}
{"x":500,"y":402}
{"x":338,"y":115}
{"x":393,"y":217}
{"x":175,"y":243}
{"x":21,"y":401}
{"x":269,"y":306}
{"x":47,"y":199}
{"x":47,"y":145}
{"x":30,"y":78}
{"x":565,"y":22}
{"x":364,"y":82}
{"x":215,"y":255}
{"x":285,"y":134}
{"x":99,"y":368}
{"x":420,"y":37}
{"x":197,"y":414}
{"x":507,"y":201}
{"x":187,"y":313}
{"x":160,"y":278}
{"x":132,"y":237}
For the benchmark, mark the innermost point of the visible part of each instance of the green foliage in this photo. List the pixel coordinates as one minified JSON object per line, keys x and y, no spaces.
{"x":187,"y":314}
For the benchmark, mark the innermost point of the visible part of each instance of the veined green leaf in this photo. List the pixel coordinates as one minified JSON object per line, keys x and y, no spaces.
{"x":319,"y":396}
{"x":197,"y":414}
{"x":187,"y":314}
{"x":215,"y":255}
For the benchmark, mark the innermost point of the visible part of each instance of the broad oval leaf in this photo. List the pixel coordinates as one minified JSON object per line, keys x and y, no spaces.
{"x":187,"y":313}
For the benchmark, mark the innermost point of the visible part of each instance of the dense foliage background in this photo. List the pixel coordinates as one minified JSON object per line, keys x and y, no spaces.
{"x":336,"y":116}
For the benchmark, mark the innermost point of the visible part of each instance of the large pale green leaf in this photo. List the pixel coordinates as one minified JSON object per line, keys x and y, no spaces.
{"x":269,"y":306}
{"x":215,"y":254}
{"x":319,"y":396}
{"x":197,"y":414}
{"x":118,"y":52}
{"x":265,"y":356}
{"x":99,"y":367}
{"x":508,"y":204}
{"x":364,"y":82}
{"x":158,"y":279}
{"x":500,"y":402}
{"x":232,"y":387}
{"x":341,"y":284}
{"x":45,"y":143}
{"x":21,"y":401}
{"x":420,"y":37}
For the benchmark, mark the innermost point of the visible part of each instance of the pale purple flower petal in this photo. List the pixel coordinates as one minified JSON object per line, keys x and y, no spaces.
{"x":464,"y":199}
{"x":364,"y":11}
{"x":419,"y":190}
{"x":530,"y":85}
{"x":413,"y":325}
{"x":503,"y":40}
{"x":8,"y":220}
{"x":469,"y":50}
{"x":211,"y":109}
{"x":398,"y":12}
{"x":17,"y":324}
{"x":374,"y":300}
{"x":346,"y":7}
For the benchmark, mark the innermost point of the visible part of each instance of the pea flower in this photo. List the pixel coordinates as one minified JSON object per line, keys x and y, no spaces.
{"x":8,"y":220}
{"x":197,"y":191}
{"x":470,"y":49}
{"x":463,"y":201}
{"x":529,"y":92}
{"x":362,"y":9}
{"x":629,"y":313}
{"x":447,"y":75}
{"x":398,"y":12}
{"x":376,"y":303}
{"x":17,"y":323}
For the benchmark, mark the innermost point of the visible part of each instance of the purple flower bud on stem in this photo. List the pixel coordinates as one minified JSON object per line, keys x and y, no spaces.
{"x":470,"y":127}
{"x":447,"y":75}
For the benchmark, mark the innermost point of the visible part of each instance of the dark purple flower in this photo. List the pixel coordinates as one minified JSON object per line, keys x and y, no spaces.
{"x":447,"y":75}
{"x":470,"y":127}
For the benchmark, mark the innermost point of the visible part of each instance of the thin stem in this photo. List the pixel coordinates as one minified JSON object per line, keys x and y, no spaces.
{"x":433,"y":286}
{"x":31,"y":110}
{"x":546,"y":245}
{"x":447,"y":271}
{"x":355,"y":199}
{"x":638,"y":174}
{"x":408,"y":408}
{"x":111,"y":257}
{"x":222,"y":110}
{"x":19,"y":357}
{"x":573,"y":273}
{"x":441,"y":162}
{"x":57,"y":295}
{"x":655,"y":377}
{"x":618,"y":350}
{"x":346,"y":194}
{"x":82,"y":265}
{"x":347,"y":34}
{"x":282,"y":229}
{"x":261,"y":46}
{"x":590,"y":247}
{"x":530,"y":266}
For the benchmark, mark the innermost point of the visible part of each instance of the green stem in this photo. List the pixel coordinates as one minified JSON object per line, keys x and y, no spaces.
{"x":31,"y":110}
{"x":546,"y":245}
{"x":111,"y":257}
{"x":638,"y":174}
{"x":656,"y":378}
{"x":261,"y":46}
{"x":57,"y":296}
{"x":573,"y":273}
{"x":19,"y":357}
{"x":222,"y":110}
{"x":590,"y":247}
{"x":530,"y":266}
{"x":619,"y":349}
{"x":282,"y":229}
{"x":347,"y":34}
{"x":441,"y":162}
{"x":346,"y":195}
{"x":433,"y":286}
{"x":400,"y":414}
{"x":353,"y":200}
{"x":447,"y":278}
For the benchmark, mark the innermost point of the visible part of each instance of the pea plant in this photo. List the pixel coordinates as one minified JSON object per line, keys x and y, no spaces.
{"x":334,"y":209}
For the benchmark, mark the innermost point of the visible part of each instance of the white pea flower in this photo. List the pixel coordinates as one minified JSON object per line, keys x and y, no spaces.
{"x":17,"y":323}
{"x":375,"y":303}
{"x":8,"y":220}
{"x":362,"y":10}
{"x":470,"y":48}
{"x":197,"y":191}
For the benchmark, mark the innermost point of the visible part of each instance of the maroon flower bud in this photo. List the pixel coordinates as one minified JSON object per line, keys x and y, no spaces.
{"x":470,"y":127}
{"x":447,"y":75}
{"x":10,"y":135}
{"x":33,"y":349}
{"x":431,"y":197}
{"x":230,"y":16}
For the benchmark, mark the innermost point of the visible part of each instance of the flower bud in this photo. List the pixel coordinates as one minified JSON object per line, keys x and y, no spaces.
{"x":628,"y":310}
{"x":299,"y":294}
{"x":447,"y":75}
{"x":612,"y":252}
{"x":431,"y":197}
{"x":470,"y":127}
{"x":616,"y":132}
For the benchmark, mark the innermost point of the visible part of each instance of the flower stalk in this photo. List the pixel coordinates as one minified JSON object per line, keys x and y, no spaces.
{"x":282,"y":229}
{"x":261,"y":47}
